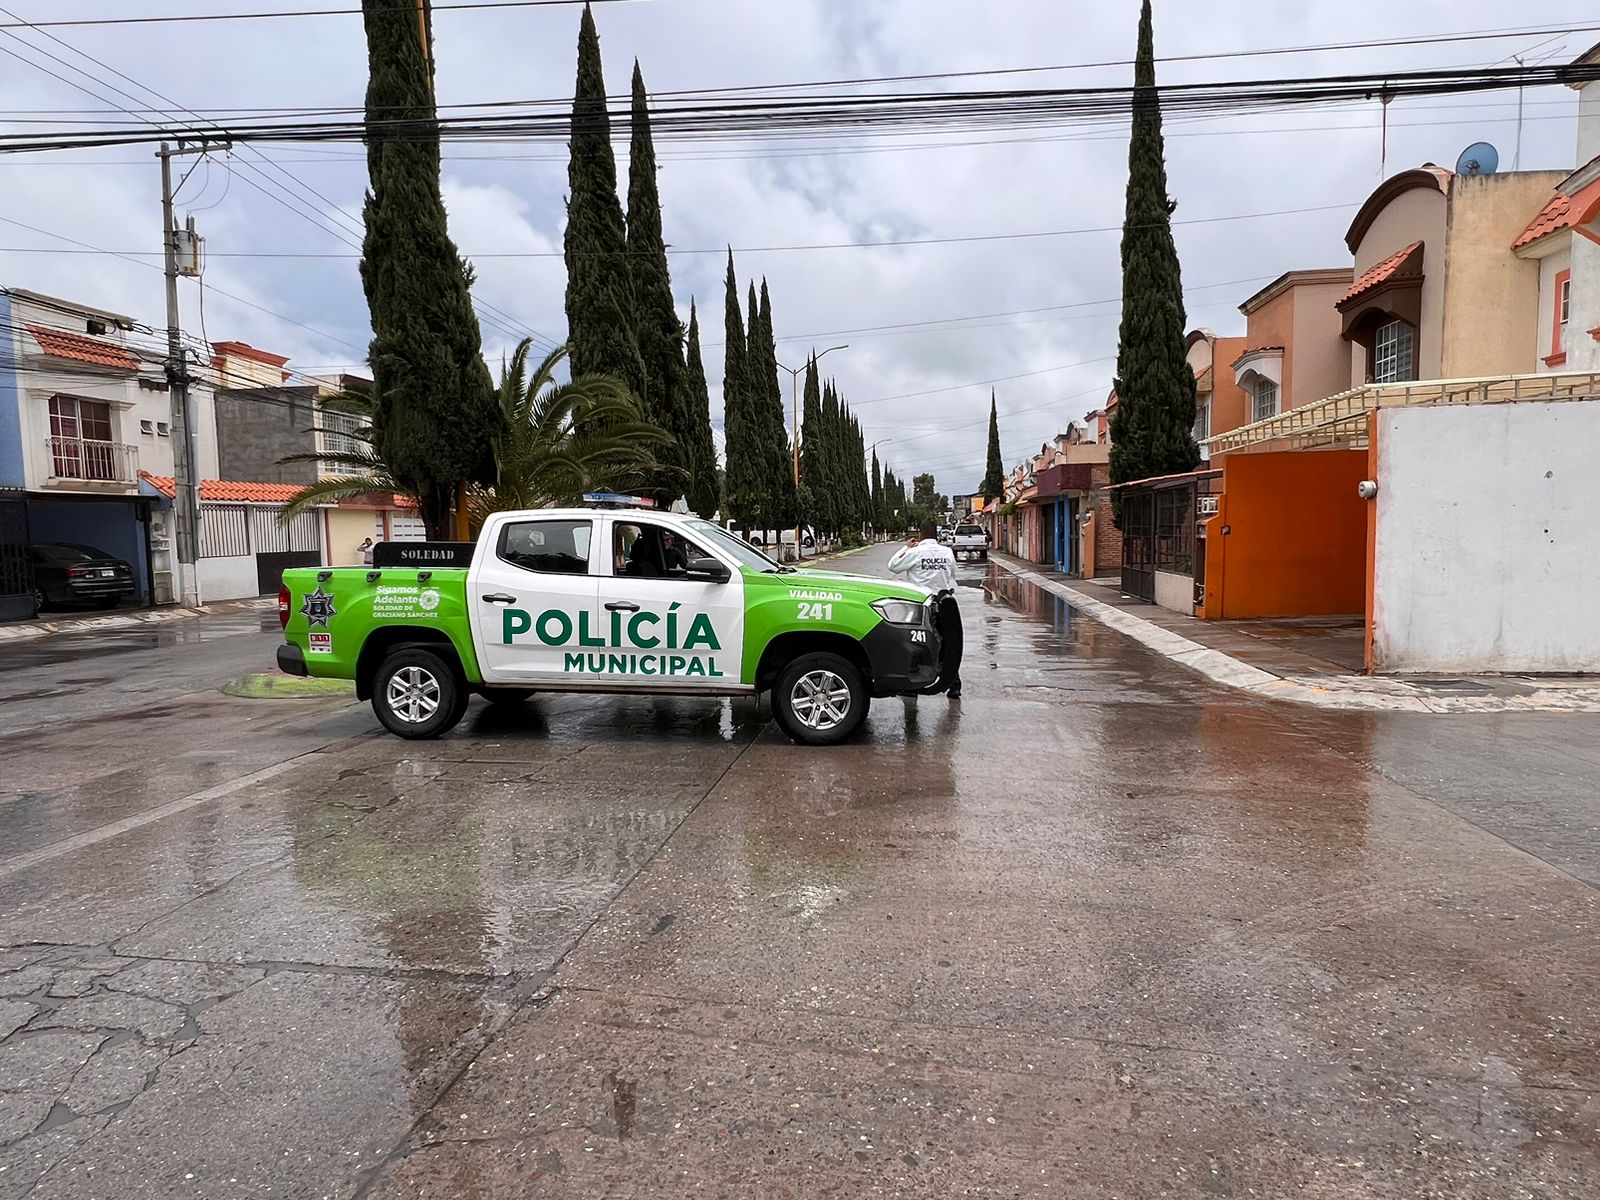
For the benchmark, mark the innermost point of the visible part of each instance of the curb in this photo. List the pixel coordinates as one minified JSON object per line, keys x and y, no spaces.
{"x":1361,"y":693}
{"x":131,"y":620}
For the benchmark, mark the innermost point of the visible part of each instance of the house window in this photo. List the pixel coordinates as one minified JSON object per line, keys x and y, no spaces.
{"x":1563,"y":310}
{"x":80,"y":439}
{"x":1394,"y":353}
{"x":338,"y":432}
{"x":1202,"y":420}
{"x":1266,"y":400}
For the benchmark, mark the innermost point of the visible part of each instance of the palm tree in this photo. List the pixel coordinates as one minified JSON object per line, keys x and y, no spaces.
{"x":560,"y":441}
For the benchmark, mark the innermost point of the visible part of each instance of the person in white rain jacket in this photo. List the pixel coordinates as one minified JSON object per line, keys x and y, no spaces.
{"x":924,"y":562}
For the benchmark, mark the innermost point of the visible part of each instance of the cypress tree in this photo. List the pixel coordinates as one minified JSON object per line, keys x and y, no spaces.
{"x":775,"y":418}
{"x":600,"y":301}
{"x":1152,"y":431}
{"x":877,"y":492}
{"x":659,"y":330}
{"x":436,"y":418}
{"x":742,"y":485}
{"x":833,"y":507}
{"x":994,"y":473}
{"x":698,"y":449}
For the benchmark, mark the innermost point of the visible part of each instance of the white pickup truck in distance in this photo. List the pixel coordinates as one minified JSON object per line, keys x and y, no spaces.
{"x":969,"y":540}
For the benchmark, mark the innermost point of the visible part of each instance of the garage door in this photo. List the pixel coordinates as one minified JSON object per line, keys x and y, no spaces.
{"x":405,"y":527}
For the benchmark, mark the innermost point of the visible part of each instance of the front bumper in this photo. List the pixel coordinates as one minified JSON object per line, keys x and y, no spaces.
{"x":903,"y":658}
{"x":292,"y":660}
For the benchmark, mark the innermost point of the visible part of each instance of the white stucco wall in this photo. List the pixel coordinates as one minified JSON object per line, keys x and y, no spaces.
{"x":1551,"y":266}
{"x":1583,"y":351}
{"x":228,"y":578}
{"x":1175,"y":592}
{"x":1485,"y":555}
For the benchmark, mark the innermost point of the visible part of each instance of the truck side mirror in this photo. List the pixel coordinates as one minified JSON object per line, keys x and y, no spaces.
{"x":710,"y":569}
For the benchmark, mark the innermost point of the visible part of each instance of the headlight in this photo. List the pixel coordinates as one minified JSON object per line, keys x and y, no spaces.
{"x":899,"y":612}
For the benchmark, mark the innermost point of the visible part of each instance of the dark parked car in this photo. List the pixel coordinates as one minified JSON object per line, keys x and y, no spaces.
{"x":72,"y":573}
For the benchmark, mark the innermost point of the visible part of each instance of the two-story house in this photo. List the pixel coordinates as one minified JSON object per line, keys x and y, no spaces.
{"x":84,"y":407}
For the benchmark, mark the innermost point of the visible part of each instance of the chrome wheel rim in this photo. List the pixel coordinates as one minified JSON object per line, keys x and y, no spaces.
{"x":413,"y":694}
{"x":820,"y":700}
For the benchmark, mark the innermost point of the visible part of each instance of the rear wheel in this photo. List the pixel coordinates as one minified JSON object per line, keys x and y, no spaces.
{"x":417,"y":694}
{"x":820,"y":699}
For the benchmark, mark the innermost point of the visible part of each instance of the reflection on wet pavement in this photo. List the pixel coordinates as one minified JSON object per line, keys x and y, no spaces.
{"x":1099,"y":928}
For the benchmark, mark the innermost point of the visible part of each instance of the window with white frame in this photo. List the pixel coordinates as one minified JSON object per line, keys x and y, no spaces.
{"x":338,"y":432}
{"x":1563,"y":312}
{"x":1394,"y":353}
{"x":1265,"y":403}
{"x":1202,"y":420}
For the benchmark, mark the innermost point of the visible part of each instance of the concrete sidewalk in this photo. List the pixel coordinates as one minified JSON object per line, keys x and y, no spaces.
{"x":1314,"y":662}
{"x":134,"y":619}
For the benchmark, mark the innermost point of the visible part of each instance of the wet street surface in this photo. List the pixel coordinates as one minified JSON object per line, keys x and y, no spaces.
{"x":1101,"y":929}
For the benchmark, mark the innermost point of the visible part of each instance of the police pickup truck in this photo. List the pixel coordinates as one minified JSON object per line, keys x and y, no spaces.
{"x":586,"y":600}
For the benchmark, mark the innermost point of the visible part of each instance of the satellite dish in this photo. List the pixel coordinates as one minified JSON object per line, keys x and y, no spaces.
{"x":1480,"y":158}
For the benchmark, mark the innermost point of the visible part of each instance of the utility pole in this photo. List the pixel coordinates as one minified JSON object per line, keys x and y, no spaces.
{"x":794,"y":431}
{"x":185,"y":543}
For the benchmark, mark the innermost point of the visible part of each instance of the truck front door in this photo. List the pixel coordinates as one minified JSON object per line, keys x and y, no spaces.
{"x":663,"y":628}
{"x":534,"y":598}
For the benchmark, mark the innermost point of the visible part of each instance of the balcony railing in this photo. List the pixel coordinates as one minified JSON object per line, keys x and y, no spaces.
{"x":1342,"y":419}
{"x":100,"y":462}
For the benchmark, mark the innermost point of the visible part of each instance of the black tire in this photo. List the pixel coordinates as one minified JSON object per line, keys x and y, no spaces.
{"x":983,"y":556}
{"x":407,"y":683}
{"x":506,"y":695}
{"x":40,"y":600}
{"x":812,"y":725}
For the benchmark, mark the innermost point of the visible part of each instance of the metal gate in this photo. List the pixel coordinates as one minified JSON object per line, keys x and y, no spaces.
{"x":1139,"y":543}
{"x":16,"y":557}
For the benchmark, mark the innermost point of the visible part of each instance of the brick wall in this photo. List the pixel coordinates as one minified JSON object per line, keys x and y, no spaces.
{"x":1107,"y":537}
{"x":258,"y":426}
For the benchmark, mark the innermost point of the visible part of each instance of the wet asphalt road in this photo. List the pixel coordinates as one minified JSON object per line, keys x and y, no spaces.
{"x":1101,"y":930}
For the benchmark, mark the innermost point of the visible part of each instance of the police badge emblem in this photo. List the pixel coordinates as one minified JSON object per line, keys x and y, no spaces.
{"x":317,"y":608}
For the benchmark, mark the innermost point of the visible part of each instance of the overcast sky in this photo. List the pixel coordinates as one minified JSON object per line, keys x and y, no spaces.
{"x":1300,"y":175}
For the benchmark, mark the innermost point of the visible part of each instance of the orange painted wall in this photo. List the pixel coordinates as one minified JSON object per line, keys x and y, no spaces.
{"x":1297,"y":540}
{"x":1230,"y":407}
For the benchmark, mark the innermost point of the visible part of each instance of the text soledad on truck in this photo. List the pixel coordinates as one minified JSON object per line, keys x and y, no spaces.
{"x":585,"y":600}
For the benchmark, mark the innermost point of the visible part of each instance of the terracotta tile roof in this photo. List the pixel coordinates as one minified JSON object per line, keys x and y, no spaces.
{"x":1553,"y":217}
{"x":262,"y":493}
{"x":1244,"y":354}
{"x":83,"y":349}
{"x":1379,"y":273}
{"x":1202,"y":377}
{"x":224,"y":489}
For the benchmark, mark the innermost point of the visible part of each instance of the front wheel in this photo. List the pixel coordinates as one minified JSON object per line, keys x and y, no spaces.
{"x":820,"y":699}
{"x":417,"y":694}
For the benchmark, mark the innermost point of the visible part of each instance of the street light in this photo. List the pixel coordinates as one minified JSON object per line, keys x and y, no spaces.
{"x":794,"y":429}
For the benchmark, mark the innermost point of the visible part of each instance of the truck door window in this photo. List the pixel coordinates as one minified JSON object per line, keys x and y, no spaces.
{"x":645,"y":551}
{"x":549,"y":547}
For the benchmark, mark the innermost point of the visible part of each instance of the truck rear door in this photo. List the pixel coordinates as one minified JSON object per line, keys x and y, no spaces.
{"x":534,"y":597}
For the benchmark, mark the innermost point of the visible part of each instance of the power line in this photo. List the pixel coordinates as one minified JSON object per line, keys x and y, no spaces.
{"x":721,"y":250}
{"x":322,"y":333}
{"x":870,"y":114}
{"x":469,"y":6}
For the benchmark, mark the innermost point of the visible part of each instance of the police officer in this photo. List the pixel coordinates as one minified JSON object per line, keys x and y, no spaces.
{"x":926,"y":563}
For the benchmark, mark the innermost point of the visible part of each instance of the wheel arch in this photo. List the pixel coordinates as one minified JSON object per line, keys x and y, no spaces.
{"x":787,"y":647}
{"x":384,"y":641}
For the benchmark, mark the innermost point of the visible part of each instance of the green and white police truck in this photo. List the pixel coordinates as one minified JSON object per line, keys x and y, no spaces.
{"x":591,"y":600}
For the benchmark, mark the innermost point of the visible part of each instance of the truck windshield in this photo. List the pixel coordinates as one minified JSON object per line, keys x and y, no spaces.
{"x":742,"y":550}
